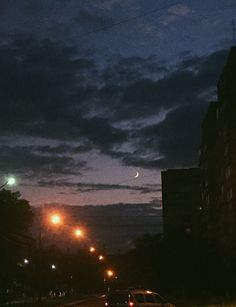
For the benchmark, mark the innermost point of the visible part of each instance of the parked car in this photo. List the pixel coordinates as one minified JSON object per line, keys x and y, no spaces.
{"x":136,"y":298}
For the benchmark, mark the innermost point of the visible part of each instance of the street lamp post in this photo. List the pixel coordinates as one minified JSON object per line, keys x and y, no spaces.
{"x":109,"y":274}
{"x":55,"y":219}
{"x":39,"y":266}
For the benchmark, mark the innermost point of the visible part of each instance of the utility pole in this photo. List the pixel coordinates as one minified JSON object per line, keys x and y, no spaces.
{"x":39,"y":266}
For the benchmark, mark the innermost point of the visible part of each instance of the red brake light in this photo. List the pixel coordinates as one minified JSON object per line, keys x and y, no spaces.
{"x":131,"y":304}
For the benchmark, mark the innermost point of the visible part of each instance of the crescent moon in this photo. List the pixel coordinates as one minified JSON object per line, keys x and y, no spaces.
{"x":137,"y":175}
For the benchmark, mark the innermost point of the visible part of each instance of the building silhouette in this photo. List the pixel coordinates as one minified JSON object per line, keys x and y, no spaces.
{"x":181,"y":201}
{"x":217,"y":162}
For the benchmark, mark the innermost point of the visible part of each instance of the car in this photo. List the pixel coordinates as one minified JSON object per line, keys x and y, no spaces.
{"x":136,"y":298}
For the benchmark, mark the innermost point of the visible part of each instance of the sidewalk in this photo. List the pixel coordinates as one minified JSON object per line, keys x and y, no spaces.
{"x":51,"y":302}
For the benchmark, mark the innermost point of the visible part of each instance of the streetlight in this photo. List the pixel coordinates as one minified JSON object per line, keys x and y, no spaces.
{"x":108,"y":276}
{"x":78,"y":233}
{"x":26,"y":261}
{"x":56,"y":219}
{"x":92,"y":249}
{"x":101,"y":257}
{"x":10,"y":181}
{"x":110,"y":273}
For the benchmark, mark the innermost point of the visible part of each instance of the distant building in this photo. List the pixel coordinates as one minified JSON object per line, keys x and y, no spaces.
{"x":181,"y":200}
{"x":218,"y":161}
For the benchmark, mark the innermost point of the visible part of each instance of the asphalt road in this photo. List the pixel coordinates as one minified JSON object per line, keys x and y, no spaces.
{"x":91,"y":302}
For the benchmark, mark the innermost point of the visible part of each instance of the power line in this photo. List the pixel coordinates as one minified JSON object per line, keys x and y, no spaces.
{"x":124,"y":21}
{"x":149,"y":12}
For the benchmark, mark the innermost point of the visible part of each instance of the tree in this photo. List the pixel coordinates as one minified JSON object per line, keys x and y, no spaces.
{"x":15,"y":219}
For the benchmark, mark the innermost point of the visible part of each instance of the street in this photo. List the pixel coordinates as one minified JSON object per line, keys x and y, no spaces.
{"x":91,"y":302}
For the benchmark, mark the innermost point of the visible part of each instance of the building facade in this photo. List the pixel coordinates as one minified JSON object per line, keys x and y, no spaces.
{"x":181,"y":200}
{"x":217,"y":162}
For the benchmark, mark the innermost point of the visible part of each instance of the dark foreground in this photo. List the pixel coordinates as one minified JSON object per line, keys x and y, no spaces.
{"x":99,"y":301}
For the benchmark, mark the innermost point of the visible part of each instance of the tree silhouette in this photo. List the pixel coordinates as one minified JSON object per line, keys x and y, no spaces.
{"x":15,"y":219}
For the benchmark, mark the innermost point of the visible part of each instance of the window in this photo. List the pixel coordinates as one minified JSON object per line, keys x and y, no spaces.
{"x":149,"y":298}
{"x":139,"y":298}
{"x":153,"y":298}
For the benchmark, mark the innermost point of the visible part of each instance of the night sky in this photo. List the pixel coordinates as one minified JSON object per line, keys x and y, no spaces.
{"x":93,"y":91}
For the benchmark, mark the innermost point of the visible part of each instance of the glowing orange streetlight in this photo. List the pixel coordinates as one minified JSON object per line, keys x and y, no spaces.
{"x":56,"y":219}
{"x":92,"y":249}
{"x":101,"y":257}
{"x":109,"y":276}
{"x":78,"y":232}
{"x":110,"y":273}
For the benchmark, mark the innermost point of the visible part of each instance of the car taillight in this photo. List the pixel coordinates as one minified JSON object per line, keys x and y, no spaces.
{"x":106,"y":304}
{"x":131,"y":304}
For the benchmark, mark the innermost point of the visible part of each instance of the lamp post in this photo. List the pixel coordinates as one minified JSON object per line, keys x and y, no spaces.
{"x":54,"y":219}
{"x":109,"y":274}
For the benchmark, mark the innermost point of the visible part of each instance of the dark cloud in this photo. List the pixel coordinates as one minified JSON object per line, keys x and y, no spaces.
{"x":102,"y":134}
{"x":208,"y":67}
{"x":62,"y":149}
{"x":174,"y":142}
{"x":27,"y":162}
{"x":125,"y":71}
{"x":42,"y":76}
{"x":176,"y":139}
{"x":93,"y":21}
{"x":134,"y":92}
{"x":47,"y":91}
{"x":49,"y":98}
{"x":92,"y":187}
{"x":145,"y":96}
